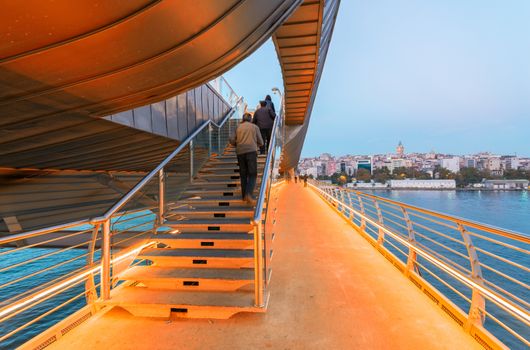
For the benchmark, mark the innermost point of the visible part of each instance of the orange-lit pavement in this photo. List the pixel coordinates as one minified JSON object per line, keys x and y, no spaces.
{"x":330,"y":290}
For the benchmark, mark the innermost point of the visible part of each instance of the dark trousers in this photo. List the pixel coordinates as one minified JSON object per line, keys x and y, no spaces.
{"x":248,"y":171}
{"x":266,"y":136}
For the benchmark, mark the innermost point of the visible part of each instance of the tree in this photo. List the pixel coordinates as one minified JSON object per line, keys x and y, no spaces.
{"x":340,"y":178}
{"x":363,"y":175}
{"x":513,"y":174}
{"x":468,"y":176}
{"x":443,"y":173}
{"x":382,"y":175}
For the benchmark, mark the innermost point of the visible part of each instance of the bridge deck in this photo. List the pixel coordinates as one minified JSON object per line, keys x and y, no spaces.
{"x":330,"y":290}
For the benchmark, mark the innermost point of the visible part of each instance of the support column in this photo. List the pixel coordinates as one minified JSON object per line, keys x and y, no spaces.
{"x":105,"y":261}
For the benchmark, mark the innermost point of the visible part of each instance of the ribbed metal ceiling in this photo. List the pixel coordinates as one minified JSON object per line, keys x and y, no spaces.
{"x":302,"y":44}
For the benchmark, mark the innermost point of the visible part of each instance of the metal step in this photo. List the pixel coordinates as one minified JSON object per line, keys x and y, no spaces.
{"x":226,"y":166}
{"x":212,"y":212}
{"x":218,"y":176}
{"x":221,"y":202}
{"x":189,"y":279}
{"x":223,"y":192}
{"x":206,"y":240}
{"x":233,"y":170}
{"x":147,"y":302}
{"x":211,"y":224}
{"x":199,"y":258}
{"x":231,"y":185}
{"x":230,"y":160}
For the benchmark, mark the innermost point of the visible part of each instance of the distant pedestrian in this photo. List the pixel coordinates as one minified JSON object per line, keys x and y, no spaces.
{"x":305,"y":180}
{"x":264,"y":119}
{"x":270,"y":104}
{"x":295,"y":179}
{"x":247,"y":141}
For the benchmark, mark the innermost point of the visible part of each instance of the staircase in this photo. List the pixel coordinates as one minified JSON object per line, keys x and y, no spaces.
{"x":203,"y":263}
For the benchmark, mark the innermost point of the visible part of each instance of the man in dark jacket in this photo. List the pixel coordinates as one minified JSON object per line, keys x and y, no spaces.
{"x":247,"y":140}
{"x":270,"y":104}
{"x":264,"y":119}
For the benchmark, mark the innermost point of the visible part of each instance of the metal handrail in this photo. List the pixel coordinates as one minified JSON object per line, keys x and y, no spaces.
{"x":482,"y":288}
{"x":161,"y":165}
{"x":101,"y":229}
{"x":42,"y":231}
{"x":521,"y":237}
{"x":266,"y":170}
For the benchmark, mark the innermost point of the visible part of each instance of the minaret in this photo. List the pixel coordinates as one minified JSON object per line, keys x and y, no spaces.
{"x":400,"y":149}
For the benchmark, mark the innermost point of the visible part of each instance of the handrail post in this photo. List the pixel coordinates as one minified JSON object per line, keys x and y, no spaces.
{"x":476,"y":315}
{"x":381,"y":235}
{"x":361,"y":205}
{"x":209,"y":140}
{"x":412,"y":256}
{"x":192,"y":147}
{"x":161,"y":196}
{"x":105,"y":261}
{"x":90,"y":286}
{"x":352,"y":213}
{"x":219,"y":138}
{"x":258,"y":265}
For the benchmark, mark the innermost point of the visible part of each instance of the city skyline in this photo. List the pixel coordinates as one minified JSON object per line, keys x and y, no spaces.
{"x":449,"y":75}
{"x":407,"y":151}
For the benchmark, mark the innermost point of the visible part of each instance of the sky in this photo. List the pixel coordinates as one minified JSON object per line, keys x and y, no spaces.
{"x":451,"y":76}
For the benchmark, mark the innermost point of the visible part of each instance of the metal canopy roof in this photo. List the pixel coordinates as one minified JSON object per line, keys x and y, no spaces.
{"x":97,"y":58}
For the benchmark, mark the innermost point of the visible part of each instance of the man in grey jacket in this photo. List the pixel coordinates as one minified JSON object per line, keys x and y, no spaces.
{"x":247,"y":141}
{"x":264,"y":119}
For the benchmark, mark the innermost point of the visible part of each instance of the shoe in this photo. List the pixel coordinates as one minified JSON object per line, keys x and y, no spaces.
{"x":251,"y":201}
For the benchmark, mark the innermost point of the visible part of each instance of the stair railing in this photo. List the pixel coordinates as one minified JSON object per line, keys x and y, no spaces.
{"x":476,"y":273}
{"x":262,"y":234}
{"x":200,"y":137}
{"x":77,"y":263}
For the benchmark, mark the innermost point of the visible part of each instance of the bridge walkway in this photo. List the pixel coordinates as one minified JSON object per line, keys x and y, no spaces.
{"x":330,"y":290}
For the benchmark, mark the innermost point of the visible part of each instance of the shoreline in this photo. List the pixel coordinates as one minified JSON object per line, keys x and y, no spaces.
{"x":438,"y":189}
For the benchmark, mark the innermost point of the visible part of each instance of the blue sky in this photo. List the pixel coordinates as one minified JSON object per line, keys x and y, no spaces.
{"x":452,"y":75}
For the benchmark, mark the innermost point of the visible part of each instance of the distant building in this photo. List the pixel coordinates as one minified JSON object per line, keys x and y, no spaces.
{"x":364,"y":164}
{"x":493,"y":164}
{"x":400,"y":150}
{"x":506,"y":184}
{"x":451,"y":164}
{"x":470,"y":162}
{"x":310,"y":171}
{"x":422,"y":184}
{"x":367,"y":185}
{"x":510,"y":162}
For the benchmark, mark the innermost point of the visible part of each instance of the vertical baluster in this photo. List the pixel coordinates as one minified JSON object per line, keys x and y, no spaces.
{"x":476,"y":314}
{"x":258,"y":264}
{"x":191,"y":159}
{"x":219,"y":133}
{"x":90,"y":286}
{"x":361,"y":205}
{"x":210,"y":139}
{"x":105,"y":261}
{"x":381,"y":236}
{"x":411,"y":258}
{"x":161,"y":196}
{"x":350,"y":203}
